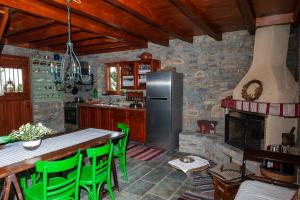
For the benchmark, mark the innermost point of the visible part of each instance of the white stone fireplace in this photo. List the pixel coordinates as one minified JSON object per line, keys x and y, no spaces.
{"x":279,"y":86}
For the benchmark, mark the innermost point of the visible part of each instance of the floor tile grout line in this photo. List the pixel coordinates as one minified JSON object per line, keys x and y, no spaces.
{"x":156,"y":184}
{"x":140,"y":179}
{"x":153,"y":195}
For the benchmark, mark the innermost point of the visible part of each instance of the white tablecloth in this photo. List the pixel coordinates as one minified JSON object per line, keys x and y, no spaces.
{"x":15,"y":152}
{"x":255,"y":190}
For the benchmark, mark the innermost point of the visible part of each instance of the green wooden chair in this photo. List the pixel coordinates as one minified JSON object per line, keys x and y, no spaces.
{"x":95,"y":175}
{"x":52,"y":187}
{"x":120,"y":149}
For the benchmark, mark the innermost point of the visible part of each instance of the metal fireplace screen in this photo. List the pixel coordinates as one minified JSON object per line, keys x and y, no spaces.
{"x":244,"y":130}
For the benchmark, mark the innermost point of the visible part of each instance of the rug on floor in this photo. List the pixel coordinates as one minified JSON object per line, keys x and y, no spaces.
{"x":141,"y":152}
{"x":203,"y":188}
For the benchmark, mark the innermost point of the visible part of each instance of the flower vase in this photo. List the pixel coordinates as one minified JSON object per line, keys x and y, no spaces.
{"x":32,"y":144}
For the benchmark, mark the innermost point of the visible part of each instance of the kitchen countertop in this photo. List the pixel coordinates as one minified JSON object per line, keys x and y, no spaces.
{"x":111,"y":106}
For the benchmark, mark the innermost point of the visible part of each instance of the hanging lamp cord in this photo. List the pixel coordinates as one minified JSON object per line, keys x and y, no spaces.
{"x":69,"y":21}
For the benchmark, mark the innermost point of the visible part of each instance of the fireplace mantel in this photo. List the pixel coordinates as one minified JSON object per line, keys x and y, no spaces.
{"x":275,"y":109}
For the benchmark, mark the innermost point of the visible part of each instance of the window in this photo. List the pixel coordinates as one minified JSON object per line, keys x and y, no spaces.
{"x":14,"y":78}
{"x":11,"y":80}
{"x":113,"y":79}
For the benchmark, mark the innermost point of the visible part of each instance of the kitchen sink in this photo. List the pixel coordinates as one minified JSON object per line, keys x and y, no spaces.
{"x":106,"y":104}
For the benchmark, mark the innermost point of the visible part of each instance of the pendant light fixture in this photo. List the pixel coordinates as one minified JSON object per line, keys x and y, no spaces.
{"x":69,"y":73}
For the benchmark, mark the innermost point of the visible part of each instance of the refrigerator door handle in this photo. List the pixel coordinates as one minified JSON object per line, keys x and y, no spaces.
{"x":158,"y":98}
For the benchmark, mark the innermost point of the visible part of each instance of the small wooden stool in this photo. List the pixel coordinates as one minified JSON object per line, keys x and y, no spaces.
{"x":224,"y":190}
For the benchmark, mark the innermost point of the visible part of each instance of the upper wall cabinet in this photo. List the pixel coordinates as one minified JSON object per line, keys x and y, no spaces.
{"x":142,"y":68}
{"x":130,"y":75}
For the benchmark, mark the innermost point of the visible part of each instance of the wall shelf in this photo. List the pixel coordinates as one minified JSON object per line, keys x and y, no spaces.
{"x":42,"y":86}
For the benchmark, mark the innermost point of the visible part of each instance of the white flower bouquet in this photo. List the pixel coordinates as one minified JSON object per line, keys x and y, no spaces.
{"x":30,"y":132}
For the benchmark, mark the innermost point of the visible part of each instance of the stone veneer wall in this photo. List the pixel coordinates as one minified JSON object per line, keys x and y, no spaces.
{"x":211,"y":71}
{"x":51,"y":114}
{"x":211,"y":68}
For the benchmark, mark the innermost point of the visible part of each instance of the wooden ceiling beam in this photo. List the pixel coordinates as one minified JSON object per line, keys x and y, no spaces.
{"x":3,"y":22}
{"x":125,"y":48}
{"x":3,"y":25}
{"x":197,"y":17}
{"x":39,"y":34}
{"x":247,"y":14}
{"x":84,"y":43}
{"x":101,"y":46}
{"x":63,"y":39}
{"x":297,"y":14}
{"x":41,"y":9}
{"x":28,"y":28}
{"x":91,"y":11}
{"x":287,"y":18}
{"x":148,"y":16}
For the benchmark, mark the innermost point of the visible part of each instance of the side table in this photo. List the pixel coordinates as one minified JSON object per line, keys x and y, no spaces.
{"x":225,"y":190}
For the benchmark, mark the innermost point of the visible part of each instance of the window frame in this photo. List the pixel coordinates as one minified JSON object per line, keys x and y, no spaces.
{"x":17,"y":62}
{"x":108,"y":90}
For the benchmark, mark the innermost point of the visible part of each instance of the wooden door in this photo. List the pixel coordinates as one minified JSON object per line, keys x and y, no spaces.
{"x":117,"y":116}
{"x":3,"y":117}
{"x":15,"y":104}
{"x":137,"y":125}
{"x":14,"y":114}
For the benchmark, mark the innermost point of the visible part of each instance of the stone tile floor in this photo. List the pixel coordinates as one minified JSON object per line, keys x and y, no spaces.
{"x":151,"y":180}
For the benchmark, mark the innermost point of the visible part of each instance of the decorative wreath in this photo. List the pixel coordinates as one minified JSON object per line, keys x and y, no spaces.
{"x":257,"y":92}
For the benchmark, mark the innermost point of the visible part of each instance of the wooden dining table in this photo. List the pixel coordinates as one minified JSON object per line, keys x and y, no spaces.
{"x":14,"y":159}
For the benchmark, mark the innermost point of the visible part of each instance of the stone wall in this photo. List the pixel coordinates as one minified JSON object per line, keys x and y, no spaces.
{"x":51,"y":114}
{"x":211,"y":69}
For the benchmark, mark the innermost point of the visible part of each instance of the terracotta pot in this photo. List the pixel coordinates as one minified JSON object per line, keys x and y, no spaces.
{"x":145,"y":56}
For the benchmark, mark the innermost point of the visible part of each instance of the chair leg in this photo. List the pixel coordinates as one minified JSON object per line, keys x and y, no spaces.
{"x":110,"y":190}
{"x":123,"y":167}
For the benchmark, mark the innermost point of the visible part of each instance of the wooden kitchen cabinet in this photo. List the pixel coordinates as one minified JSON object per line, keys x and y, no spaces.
{"x":88,"y":117}
{"x":137,"y":124}
{"x":117,"y":116}
{"x":103,"y":118}
{"x":136,"y":120}
{"x":108,"y":118}
{"x":94,"y":117}
{"x":83,"y":113}
{"x":129,"y":75}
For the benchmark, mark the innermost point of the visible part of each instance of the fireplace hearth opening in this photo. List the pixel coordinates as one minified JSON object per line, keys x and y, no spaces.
{"x":244,"y":130}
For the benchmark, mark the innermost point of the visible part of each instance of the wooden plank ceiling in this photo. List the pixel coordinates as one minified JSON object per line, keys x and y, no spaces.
{"x":100,"y":26}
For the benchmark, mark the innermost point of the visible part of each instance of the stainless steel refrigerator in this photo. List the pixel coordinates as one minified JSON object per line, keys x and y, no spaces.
{"x":164,"y":92}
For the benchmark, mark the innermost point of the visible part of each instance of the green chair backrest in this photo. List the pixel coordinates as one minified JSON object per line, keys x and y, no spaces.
{"x":101,"y":159}
{"x":123,"y":142}
{"x":65,"y":189}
